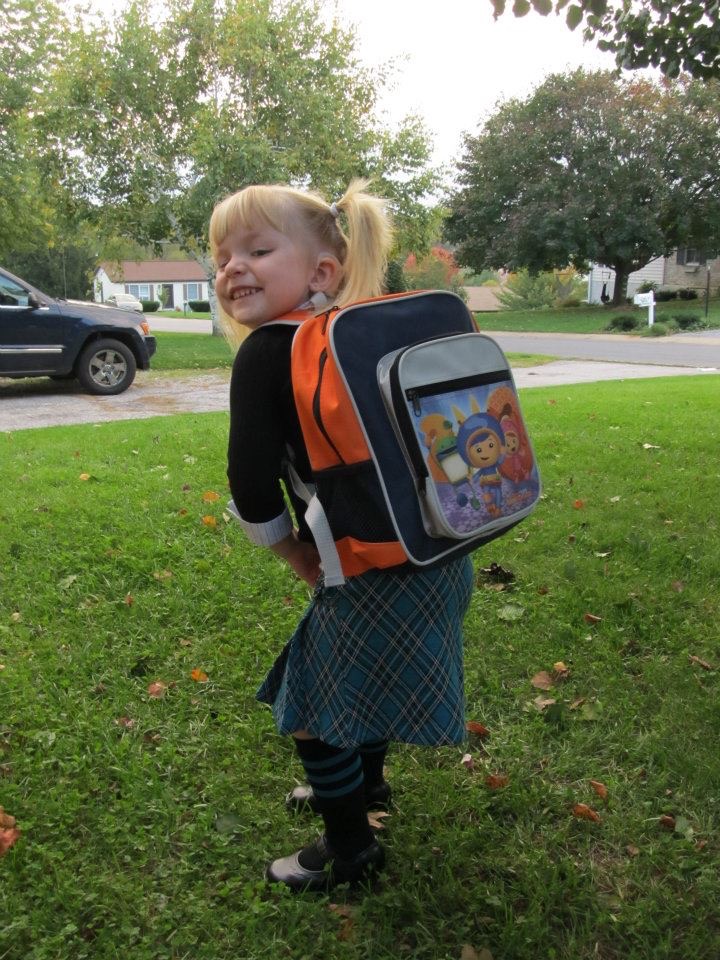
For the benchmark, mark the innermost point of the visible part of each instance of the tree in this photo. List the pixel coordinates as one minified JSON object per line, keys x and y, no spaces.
{"x":152,"y":121}
{"x":591,"y":168}
{"x":674,"y":35}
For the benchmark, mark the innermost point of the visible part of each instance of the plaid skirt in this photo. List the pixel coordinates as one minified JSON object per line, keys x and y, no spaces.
{"x":379,"y":658}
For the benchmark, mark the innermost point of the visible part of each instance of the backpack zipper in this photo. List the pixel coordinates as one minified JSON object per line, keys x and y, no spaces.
{"x":317,"y":415}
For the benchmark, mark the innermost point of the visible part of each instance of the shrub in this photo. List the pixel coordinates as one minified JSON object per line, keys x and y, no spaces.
{"x":623,"y":321}
{"x":690,"y":321}
{"x":570,"y":302}
{"x":663,"y":296}
{"x":656,"y":330}
{"x":150,"y":306}
{"x":687,"y":294}
{"x":437,"y":270}
{"x":647,"y":287}
{"x":395,"y":278}
{"x":523,"y":291}
{"x":199,"y":306}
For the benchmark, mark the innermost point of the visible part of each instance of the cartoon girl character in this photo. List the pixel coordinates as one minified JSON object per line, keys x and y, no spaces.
{"x":517,"y":463}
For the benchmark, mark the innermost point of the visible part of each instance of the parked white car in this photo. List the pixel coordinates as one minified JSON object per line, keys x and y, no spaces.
{"x":125,"y":301}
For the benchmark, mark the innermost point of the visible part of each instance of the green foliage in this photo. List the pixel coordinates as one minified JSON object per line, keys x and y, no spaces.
{"x":624,"y":321}
{"x":60,"y":271}
{"x":656,"y":330}
{"x":664,"y":296}
{"x":590,"y":167}
{"x":647,"y":287}
{"x":687,"y":294}
{"x":674,"y":36}
{"x":527,"y":291}
{"x":199,"y":306}
{"x":395,"y":281}
{"x":150,"y":306}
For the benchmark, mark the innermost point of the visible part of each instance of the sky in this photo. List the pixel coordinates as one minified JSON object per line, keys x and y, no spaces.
{"x":455,"y":62}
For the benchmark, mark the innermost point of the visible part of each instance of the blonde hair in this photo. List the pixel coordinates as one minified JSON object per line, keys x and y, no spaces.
{"x":362,"y":251}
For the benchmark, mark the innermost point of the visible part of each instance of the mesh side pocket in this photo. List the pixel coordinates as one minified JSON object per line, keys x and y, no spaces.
{"x":354,"y":503}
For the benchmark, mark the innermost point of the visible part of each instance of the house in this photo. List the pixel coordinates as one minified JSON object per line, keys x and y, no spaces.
{"x":685,"y":269}
{"x":173,"y":283}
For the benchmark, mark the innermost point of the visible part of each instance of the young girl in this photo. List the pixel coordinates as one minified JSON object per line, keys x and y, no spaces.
{"x":379,"y":658}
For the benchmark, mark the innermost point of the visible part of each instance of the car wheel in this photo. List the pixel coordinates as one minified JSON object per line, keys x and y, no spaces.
{"x":106,"y":367}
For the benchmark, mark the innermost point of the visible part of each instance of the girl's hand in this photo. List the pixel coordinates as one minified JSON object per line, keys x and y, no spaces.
{"x":302,"y":557}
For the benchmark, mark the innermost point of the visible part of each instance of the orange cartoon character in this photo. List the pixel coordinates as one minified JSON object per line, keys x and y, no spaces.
{"x":517,"y":463}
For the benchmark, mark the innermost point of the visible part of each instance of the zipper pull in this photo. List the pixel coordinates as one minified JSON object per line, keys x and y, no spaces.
{"x":414,"y":399}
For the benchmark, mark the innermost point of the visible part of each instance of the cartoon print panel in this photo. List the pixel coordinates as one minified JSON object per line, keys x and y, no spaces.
{"x":478,"y":455}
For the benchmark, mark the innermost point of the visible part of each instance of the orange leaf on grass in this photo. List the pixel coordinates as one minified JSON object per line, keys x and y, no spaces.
{"x":157,"y":689}
{"x":591,"y":618}
{"x":210,"y":496}
{"x":198,"y":675}
{"x":6,"y":821}
{"x":701,"y":663}
{"x":209,"y":521}
{"x":583,"y":812}
{"x":578,"y":504}
{"x":84,"y":476}
{"x":496,"y":781}
{"x":7,"y":839}
{"x":473,"y":726}
{"x":667,"y":822}
{"x":600,"y":789}
{"x":129,"y":600}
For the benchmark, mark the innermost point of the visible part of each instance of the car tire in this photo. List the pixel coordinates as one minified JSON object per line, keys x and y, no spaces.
{"x":106,"y":367}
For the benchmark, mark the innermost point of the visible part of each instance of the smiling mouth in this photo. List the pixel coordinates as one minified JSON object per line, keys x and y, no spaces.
{"x":245,"y":292}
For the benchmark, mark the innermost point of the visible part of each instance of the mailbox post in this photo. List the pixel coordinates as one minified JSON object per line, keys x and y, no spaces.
{"x":646,"y":300}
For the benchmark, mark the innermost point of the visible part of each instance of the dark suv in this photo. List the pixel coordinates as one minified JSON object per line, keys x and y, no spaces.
{"x":40,"y":336}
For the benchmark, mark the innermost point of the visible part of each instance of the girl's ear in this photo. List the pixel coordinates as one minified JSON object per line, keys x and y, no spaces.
{"x":327,"y":274}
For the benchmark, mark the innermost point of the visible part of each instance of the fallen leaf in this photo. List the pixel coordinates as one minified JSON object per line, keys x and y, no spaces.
{"x":542,"y":681}
{"x":542,"y":703}
{"x":496,"y":574}
{"x":615,"y":499}
{"x":67,"y":581}
{"x":126,"y":722}
{"x":7,"y":839}
{"x":183,"y":512}
{"x":650,"y":446}
{"x":6,"y":821}
{"x":678,"y":586}
{"x":577,"y":703}
{"x":129,"y":600}
{"x":600,"y":789}
{"x":632,"y":850}
{"x":16,"y":616}
{"x":667,"y":821}
{"x":157,"y":689}
{"x":209,"y":521}
{"x":496,"y":781}
{"x":578,"y":504}
{"x":478,"y":729}
{"x":511,"y":612}
{"x":701,"y":663}
{"x":84,"y":476}
{"x":163,"y":574}
{"x":210,"y":496}
{"x":543,"y":590}
{"x":583,"y":812}
{"x":560,"y":670}
{"x":198,"y":675}
{"x":467,"y":761}
{"x":341,"y":909}
{"x":591,"y":618}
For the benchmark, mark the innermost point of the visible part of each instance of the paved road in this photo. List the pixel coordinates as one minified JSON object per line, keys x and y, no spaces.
{"x":700,"y":350}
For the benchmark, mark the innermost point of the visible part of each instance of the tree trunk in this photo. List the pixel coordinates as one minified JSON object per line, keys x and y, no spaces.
{"x":622,"y":273}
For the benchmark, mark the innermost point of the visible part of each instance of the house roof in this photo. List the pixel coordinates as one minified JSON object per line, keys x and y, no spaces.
{"x":154,"y":271}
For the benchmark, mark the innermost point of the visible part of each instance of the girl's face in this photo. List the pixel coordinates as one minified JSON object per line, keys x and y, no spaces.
{"x":263,"y":274}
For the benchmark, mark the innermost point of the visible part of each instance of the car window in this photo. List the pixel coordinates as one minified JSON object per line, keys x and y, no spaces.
{"x":11,"y":293}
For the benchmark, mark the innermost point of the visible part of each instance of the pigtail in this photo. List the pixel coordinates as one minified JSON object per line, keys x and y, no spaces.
{"x":368,"y":238}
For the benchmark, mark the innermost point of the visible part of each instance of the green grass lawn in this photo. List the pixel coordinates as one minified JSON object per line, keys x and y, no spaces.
{"x":588,"y":319}
{"x":198,"y":351}
{"x":146,"y":821}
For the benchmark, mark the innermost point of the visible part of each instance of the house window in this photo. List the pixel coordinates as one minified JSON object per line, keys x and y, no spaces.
{"x":143,"y":291}
{"x":192,"y":291}
{"x":687,"y":256}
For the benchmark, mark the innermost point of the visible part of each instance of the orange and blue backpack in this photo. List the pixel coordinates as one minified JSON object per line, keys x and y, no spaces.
{"x":413,"y":428}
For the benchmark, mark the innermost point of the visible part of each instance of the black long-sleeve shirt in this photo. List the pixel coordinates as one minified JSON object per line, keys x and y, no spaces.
{"x":264,"y":434}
